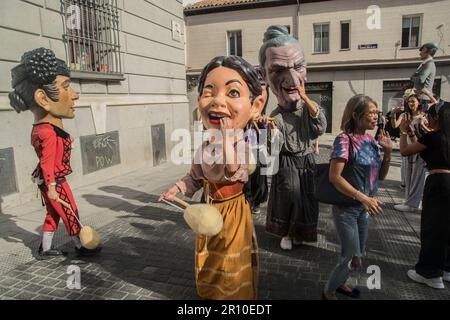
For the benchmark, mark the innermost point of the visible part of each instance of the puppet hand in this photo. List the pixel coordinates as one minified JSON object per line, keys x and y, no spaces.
{"x":52,"y":194}
{"x":170,"y":194}
{"x":226,"y":128}
{"x":301,"y":90}
{"x":265,"y":120}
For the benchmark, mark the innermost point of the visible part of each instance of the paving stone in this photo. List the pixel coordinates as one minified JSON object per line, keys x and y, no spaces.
{"x":8,"y":281}
{"x":46,"y":290}
{"x":4,"y":290}
{"x":25,"y":296}
{"x":42,"y":297}
{"x":25,"y":277}
{"x":115,"y":294}
{"x":132,"y":297}
{"x":49,"y":282}
{"x":60,"y":293}
{"x":130,"y":289}
{"x":33,"y":288}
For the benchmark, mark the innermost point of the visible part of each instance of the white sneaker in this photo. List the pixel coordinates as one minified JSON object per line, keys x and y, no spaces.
{"x":446,"y":276}
{"x":286,"y":243}
{"x":435,"y":283}
{"x":403,"y":208}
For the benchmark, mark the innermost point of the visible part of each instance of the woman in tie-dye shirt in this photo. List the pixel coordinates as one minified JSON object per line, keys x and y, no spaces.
{"x":351,"y":222}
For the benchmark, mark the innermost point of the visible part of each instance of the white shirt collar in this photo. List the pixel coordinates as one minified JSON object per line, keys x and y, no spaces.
{"x":426,"y":60}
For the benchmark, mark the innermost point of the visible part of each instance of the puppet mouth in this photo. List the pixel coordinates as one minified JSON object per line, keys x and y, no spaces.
{"x":214,"y":117}
{"x":290,"y":91}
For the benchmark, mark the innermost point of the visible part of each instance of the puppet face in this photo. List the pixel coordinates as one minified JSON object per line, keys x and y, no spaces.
{"x":285,"y":68}
{"x":226,"y":95}
{"x":64,"y":107}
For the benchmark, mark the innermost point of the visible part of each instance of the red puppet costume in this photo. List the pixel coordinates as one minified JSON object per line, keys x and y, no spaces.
{"x":53,"y":147}
{"x":41,"y":84}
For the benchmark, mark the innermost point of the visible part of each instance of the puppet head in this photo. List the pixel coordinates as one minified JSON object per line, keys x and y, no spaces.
{"x":284,"y":65}
{"x":41,"y":83}
{"x":229,"y":90}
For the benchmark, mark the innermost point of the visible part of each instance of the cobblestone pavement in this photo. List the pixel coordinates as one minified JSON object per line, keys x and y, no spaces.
{"x":148,"y":254}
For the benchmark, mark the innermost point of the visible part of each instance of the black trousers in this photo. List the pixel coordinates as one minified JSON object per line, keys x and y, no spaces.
{"x":256,"y":189}
{"x":434,"y":255}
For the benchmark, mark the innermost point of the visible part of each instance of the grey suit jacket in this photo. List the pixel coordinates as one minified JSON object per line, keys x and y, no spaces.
{"x":424,"y":77}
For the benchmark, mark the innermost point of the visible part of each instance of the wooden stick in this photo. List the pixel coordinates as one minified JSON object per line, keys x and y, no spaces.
{"x":183,"y":203}
{"x":256,"y":126}
{"x":65,"y":204}
{"x":171,"y":204}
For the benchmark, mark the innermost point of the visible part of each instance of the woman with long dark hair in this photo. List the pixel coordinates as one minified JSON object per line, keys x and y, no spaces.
{"x":434,"y":147}
{"x":355,"y":147}
{"x":413,"y":165}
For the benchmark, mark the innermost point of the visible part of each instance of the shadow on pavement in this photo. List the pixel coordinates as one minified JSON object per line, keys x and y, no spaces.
{"x":130,"y":194}
{"x":11,"y":232}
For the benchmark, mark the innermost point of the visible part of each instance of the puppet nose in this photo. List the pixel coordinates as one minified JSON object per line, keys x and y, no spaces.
{"x":219,"y":101}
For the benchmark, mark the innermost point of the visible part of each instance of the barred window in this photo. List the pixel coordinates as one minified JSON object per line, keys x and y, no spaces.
{"x":92,"y":38}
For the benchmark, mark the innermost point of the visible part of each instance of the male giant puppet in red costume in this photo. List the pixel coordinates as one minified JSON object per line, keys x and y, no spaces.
{"x":41,"y":84}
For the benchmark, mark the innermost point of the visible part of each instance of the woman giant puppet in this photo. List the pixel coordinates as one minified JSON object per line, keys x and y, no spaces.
{"x":41,"y":83}
{"x":226,"y":265}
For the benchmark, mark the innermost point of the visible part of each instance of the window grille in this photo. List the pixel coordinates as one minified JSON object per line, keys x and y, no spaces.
{"x":92,"y":38}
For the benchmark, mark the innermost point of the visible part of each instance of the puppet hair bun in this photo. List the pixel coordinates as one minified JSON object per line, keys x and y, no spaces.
{"x":40,"y":65}
{"x":275,"y":32}
{"x":16,"y":101}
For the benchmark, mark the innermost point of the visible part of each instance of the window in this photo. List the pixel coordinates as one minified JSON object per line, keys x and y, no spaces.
{"x":345,"y":35}
{"x":92,"y":38}
{"x":410,"y":32}
{"x":235,"y":43}
{"x":321,"y":38}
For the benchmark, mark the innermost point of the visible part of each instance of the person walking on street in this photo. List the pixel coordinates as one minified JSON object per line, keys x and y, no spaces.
{"x":433,"y":265}
{"x":351,"y":221}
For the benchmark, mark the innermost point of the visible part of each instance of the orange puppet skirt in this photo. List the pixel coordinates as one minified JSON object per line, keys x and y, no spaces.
{"x":226,"y":265}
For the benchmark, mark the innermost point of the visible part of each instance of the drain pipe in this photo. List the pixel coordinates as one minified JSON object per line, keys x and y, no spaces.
{"x":297,"y":22}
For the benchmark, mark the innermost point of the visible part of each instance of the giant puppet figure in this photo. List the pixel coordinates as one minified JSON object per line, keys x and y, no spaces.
{"x":230,"y":97}
{"x":41,"y":84}
{"x":292,"y":210}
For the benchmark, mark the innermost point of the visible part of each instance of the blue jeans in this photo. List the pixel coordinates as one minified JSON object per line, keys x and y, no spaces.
{"x":351,"y":225}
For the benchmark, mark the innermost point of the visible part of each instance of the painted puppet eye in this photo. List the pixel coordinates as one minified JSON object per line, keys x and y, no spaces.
{"x":207,"y":94}
{"x":234,"y":93}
